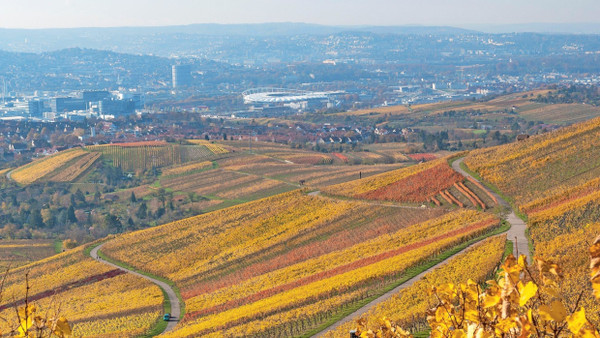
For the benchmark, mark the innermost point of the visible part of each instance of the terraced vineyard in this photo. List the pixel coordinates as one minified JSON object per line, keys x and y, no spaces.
{"x":290,"y":264}
{"x":433,"y":182}
{"x":290,"y":260}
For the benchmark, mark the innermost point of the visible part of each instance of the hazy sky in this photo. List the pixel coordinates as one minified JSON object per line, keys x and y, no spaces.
{"x":92,"y":13}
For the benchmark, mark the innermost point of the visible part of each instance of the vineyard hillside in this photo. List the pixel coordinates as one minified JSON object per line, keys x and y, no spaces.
{"x":97,"y":300}
{"x":287,"y":264}
{"x":553,"y":180}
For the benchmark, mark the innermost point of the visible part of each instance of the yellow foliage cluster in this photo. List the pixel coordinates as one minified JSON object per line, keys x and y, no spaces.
{"x":410,"y":305}
{"x":32,"y":172}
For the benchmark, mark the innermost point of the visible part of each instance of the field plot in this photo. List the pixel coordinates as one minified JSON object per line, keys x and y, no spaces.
{"x":187,"y":168}
{"x":559,"y":113}
{"x":432,"y":181}
{"x":14,"y":253}
{"x":226,"y":185}
{"x":73,"y":169}
{"x":149,"y":155}
{"x":97,"y":300}
{"x":372,"y":154}
{"x":36,"y":170}
{"x":214,"y":147}
{"x":408,"y":308}
{"x":313,"y":176}
{"x":290,"y":259}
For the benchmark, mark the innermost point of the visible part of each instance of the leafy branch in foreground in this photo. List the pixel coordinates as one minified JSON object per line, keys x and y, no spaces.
{"x":31,"y":323}
{"x":523,"y":302}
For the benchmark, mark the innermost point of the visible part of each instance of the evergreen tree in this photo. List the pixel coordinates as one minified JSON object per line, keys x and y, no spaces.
{"x":71,"y":215}
{"x":36,"y":219}
{"x":142,"y":211}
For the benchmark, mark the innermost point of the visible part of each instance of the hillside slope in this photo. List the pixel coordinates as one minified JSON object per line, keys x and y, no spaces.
{"x":97,"y":300}
{"x":553,"y":179}
{"x":286,"y":264}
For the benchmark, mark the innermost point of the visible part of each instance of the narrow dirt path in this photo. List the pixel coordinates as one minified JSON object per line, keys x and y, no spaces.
{"x":175,"y":305}
{"x":517,"y":225}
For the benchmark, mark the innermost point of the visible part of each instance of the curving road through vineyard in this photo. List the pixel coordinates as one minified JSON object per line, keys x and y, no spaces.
{"x":171,"y":294}
{"x":517,"y":225}
{"x":516,"y":233}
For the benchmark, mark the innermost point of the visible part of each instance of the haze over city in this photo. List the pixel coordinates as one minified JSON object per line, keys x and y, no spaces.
{"x":463,"y":13}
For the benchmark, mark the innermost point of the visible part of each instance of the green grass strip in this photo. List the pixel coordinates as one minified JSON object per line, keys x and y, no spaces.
{"x":408,"y":274}
{"x":58,"y":247}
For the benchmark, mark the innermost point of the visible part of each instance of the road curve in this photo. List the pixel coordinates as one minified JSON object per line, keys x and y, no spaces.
{"x":175,"y":305}
{"x":516,"y":233}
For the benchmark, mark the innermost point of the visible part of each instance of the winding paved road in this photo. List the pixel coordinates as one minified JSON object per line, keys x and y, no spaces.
{"x":363,"y":310}
{"x":517,"y":226}
{"x":516,"y":233}
{"x":175,"y":305}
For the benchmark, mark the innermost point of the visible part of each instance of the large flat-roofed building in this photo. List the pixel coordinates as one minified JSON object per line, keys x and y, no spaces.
{"x":182,"y":76}
{"x":63,"y":104}
{"x":95,"y":96}
{"x":36,"y":108}
{"x":116,"y":107}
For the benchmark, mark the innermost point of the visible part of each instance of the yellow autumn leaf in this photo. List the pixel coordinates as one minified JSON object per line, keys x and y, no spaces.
{"x":522,"y":261}
{"x":576,"y":321}
{"x":555,"y":311}
{"x":526,"y":292}
{"x":559,"y":312}
{"x":491,"y":300}
{"x":459,"y":333}
{"x":544,"y":311}
{"x":596,"y":287}
{"x":62,"y":327}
